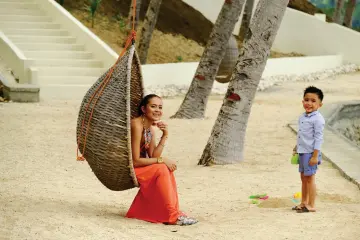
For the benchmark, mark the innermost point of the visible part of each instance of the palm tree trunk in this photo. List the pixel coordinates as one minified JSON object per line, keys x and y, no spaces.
{"x":349,"y":13}
{"x":137,"y":13}
{"x":245,"y":22}
{"x":226,"y":143}
{"x":338,"y":9}
{"x":195,"y":101}
{"x":148,"y":28}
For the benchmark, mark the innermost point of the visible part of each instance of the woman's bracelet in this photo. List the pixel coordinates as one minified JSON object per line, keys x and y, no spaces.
{"x":165,"y":137}
{"x":159,"y":160}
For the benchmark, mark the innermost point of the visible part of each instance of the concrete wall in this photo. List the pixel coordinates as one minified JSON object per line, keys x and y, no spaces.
{"x":93,"y":43}
{"x":300,"y":32}
{"x":182,"y":73}
{"x":345,"y":110}
{"x":15,"y":60}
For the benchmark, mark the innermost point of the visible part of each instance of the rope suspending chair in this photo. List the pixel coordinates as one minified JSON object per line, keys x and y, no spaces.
{"x":103,"y":126}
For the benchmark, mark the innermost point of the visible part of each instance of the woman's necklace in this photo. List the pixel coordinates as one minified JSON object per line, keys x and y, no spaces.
{"x":147,"y":135}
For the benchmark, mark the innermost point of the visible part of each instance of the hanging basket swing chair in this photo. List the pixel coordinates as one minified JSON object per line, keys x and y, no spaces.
{"x":228,"y":62}
{"x":103,"y":126}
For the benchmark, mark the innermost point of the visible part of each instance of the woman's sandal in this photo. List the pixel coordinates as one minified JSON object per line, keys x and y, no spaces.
{"x":185,"y":221}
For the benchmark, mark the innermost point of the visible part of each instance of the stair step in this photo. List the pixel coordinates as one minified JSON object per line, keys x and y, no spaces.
{"x":19,"y":11}
{"x":17,"y":1}
{"x":18,"y":5}
{"x":67,"y":80}
{"x":58,"y":54}
{"x":41,"y":39}
{"x":63,"y":92}
{"x":35,"y":32}
{"x":50,"y":46}
{"x":67,"y":63}
{"x":27,"y":18}
{"x":26,"y":25}
{"x":70,"y":71}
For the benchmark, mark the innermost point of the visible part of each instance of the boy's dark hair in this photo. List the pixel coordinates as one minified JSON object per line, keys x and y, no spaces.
{"x":145,"y":102}
{"x":317,"y":91}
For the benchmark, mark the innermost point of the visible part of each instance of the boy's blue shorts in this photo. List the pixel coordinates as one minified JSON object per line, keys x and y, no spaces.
{"x":304,"y":167}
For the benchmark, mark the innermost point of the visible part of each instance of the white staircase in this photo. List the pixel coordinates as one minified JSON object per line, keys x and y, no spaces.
{"x":65,"y":68}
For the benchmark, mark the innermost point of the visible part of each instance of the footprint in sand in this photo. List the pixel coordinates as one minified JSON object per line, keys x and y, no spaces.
{"x":284,"y":202}
{"x":335,"y":198}
{"x":276,"y":203}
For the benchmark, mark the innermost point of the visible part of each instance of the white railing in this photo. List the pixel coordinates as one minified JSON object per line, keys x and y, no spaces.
{"x":15,"y":59}
{"x":91,"y":42}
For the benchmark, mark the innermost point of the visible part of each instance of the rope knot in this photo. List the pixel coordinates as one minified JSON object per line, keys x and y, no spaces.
{"x":80,"y":158}
{"x":133,"y":34}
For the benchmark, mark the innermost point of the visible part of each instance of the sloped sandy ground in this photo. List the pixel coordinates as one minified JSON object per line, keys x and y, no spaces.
{"x":46,"y":194}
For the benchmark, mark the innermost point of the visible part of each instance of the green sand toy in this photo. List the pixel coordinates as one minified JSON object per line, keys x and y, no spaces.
{"x":295,"y":159}
{"x":257,"y":196}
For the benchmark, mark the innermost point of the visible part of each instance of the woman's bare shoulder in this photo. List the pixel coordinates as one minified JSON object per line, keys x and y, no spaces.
{"x":136,"y":123}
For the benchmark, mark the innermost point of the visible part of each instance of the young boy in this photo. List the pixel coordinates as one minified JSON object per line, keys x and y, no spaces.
{"x":309,"y":140}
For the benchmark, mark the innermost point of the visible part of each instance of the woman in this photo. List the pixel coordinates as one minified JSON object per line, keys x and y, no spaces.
{"x":157,"y":199}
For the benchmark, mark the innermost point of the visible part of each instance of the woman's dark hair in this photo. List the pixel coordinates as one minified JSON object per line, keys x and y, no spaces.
{"x":145,"y":102}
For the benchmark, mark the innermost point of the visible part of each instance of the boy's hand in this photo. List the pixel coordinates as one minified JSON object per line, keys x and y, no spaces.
{"x":314,"y":158}
{"x":294,"y":150}
{"x":313,"y":161}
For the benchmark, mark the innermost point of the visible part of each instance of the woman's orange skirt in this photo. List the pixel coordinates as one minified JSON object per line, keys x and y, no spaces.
{"x":157,"y":200}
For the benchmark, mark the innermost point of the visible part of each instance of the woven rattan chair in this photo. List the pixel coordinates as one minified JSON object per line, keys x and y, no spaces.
{"x":228,"y":62}
{"x":105,"y":143}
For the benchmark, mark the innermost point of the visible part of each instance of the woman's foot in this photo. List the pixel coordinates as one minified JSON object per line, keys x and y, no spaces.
{"x":184,"y":221}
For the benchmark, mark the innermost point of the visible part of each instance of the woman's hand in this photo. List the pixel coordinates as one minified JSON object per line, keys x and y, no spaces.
{"x":163,"y":127}
{"x":170,"y":164}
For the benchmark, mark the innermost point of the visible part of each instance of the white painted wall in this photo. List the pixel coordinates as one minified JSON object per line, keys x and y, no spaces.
{"x":15,"y":60}
{"x":183,"y":73}
{"x":300,"y":32}
{"x":92,"y":42}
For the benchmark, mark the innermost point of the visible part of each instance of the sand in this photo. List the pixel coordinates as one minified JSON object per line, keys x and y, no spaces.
{"x":46,"y":194}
